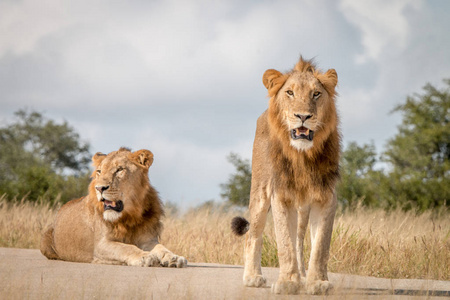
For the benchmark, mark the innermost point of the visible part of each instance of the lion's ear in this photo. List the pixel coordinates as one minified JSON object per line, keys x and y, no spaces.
{"x":143,"y":158}
{"x":273,"y":80}
{"x":329,"y":79}
{"x":98,"y":158}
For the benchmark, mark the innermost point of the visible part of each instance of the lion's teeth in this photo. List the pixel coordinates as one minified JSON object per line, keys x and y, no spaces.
{"x":301,"y":130}
{"x":110,"y":203}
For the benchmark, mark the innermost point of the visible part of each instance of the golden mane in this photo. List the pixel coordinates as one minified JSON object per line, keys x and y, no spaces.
{"x":320,"y":164}
{"x":305,"y":65}
{"x":147,"y":209}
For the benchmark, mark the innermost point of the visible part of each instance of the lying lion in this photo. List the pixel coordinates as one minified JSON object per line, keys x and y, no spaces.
{"x":118,"y":222}
{"x":295,"y":168}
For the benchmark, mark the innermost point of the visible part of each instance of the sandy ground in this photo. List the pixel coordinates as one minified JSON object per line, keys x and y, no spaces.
{"x":26,"y":274}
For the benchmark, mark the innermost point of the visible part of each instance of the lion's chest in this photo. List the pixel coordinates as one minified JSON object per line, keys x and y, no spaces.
{"x":303,"y":179}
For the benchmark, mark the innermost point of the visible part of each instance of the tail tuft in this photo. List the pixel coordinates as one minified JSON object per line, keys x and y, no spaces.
{"x":239,"y":225}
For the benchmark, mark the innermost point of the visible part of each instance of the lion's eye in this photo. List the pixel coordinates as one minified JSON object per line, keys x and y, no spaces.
{"x":317,"y":94}
{"x":290,"y":93}
{"x":119,"y":169}
{"x":99,"y":172}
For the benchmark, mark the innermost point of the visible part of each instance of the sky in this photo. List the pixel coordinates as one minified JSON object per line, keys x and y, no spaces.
{"x":183,"y":79}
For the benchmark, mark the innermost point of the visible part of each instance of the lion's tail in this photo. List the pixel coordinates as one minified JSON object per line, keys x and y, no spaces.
{"x":239,"y":225}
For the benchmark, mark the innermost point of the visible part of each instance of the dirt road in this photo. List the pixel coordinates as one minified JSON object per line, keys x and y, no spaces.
{"x":26,"y":274}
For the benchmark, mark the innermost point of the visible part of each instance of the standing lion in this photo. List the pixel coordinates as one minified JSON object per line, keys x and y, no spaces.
{"x":295,"y":167}
{"x":118,"y":222}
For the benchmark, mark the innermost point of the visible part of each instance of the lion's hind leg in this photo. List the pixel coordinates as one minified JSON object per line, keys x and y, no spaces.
{"x":259,"y":208}
{"x":47,"y":244}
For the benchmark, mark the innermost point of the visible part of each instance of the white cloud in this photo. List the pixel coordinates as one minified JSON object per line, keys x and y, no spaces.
{"x":183,"y":78}
{"x":24,"y":23}
{"x":383,"y":24}
{"x":163,"y":53}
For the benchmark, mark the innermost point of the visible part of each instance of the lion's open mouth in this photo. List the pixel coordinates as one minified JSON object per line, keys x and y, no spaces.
{"x":302,"y":133}
{"x":114,"y":205}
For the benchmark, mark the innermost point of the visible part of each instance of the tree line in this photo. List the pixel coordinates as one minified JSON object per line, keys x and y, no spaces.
{"x":412,"y":172}
{"x":41,"y":160}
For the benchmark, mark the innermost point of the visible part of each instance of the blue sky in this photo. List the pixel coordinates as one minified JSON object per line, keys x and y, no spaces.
{"x":183,"y":78}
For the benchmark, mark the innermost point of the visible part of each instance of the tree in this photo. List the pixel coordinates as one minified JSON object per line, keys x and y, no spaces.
{"x":237,"y":189}
{"x":360,"y":182}
{"x":39,"y":158}
{"x":420,"y":152}
{"x":57,"y":145}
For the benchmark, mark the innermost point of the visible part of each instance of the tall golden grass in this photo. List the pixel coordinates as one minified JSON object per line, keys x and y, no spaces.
{"x":369,"y":242}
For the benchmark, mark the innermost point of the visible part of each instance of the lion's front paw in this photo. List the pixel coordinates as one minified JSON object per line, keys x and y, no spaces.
{"x":178,"y":262}
{"x":319,"y":287}
{"x":173,"y":261}
{"x":146,"y":260}
{"x":254,"y":281}
{"x":286,"y":287}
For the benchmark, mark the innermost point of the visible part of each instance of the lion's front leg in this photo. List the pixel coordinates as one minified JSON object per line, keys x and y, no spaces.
{"x":165,"y":257}
{"x":285,"y":221}
{"x":303,"y":218}
{"x":112,"y":252}
{"x":321,"y":219}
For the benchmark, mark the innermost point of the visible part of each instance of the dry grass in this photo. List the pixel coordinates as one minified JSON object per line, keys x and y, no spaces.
{"x":365,"y":242}
{"x":22,"y":223}
{"x":393,"y":245}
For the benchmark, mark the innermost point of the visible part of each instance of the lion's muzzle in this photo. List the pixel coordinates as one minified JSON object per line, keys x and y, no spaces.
{"x":113,"y":205}
{"x":302,"y":133}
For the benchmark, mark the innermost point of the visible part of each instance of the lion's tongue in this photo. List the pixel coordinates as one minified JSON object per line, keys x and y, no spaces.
{"x":110,"y":203}
{"x":301,"y":130}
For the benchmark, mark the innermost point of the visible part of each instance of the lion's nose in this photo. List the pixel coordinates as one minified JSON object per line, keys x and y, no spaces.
{"x":102,"y":188}
{"x":303,"y":117}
